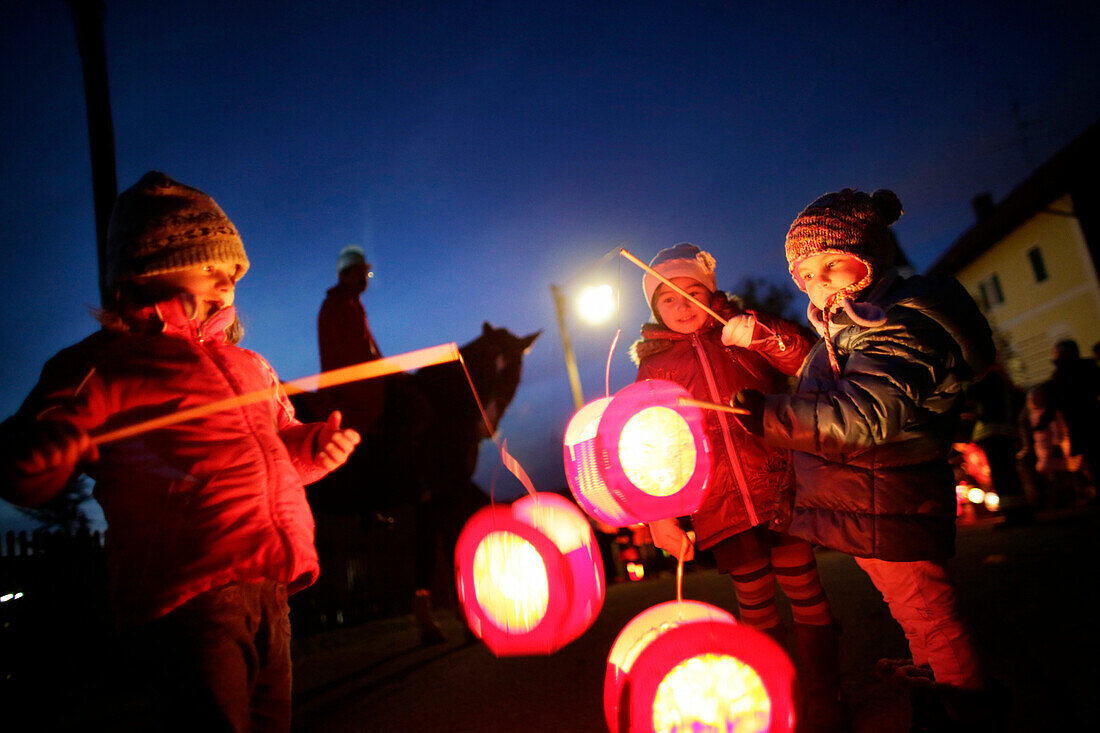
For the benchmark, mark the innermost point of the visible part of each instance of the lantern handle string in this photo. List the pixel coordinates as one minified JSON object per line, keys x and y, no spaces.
{"x":673,"y":285}
{"x":607,"y":371}
{"x":356,"y":372}
{"x":680,"y":569}
{"x":506,"y":458}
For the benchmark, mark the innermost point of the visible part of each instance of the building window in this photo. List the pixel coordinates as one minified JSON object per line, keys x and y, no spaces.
{"x":1038,"y":267}
{"x":990,"y":291}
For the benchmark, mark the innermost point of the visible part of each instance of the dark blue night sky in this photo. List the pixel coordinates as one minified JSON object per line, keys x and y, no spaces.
{"x":480,"y":151}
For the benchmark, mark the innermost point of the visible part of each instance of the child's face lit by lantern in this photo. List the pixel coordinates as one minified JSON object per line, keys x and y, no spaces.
{"x":677,"y":312}
{"x":826,"y":273}
{"x":211,"y":286}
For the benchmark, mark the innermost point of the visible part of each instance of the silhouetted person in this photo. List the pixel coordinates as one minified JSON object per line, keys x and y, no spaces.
{"x":1074,"y":390}
{"x":994,"y":432}
{"x":344,"y":338}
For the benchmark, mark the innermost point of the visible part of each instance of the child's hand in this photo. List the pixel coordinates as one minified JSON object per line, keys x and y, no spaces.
{"x":333,"y":444}
{"x":752,"y":402}
{"x":51,"y":445}
{"x":739,"y":330}
{"x":668,"y":536}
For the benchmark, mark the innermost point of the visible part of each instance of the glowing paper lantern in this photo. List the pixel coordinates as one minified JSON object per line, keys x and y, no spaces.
{"x":638,"y":456}
{"x":687,"y":666}
{"x":529,"y":575}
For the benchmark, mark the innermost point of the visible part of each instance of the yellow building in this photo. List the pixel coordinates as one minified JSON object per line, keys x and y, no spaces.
{"x":1031,"y":261}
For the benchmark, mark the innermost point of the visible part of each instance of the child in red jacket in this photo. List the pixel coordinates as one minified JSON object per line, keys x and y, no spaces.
{"x":208,"y":525}
{"x":748,"y":478}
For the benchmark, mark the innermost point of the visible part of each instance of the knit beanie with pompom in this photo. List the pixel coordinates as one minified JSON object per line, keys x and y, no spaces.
{"x":160,"y":225}
{"x":682,"y":260}
{"x":850,"y":223}
{"x":847,"y":222}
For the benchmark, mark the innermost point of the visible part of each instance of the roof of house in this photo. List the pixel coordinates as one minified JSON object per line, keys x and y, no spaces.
{"x":1049,"y":181}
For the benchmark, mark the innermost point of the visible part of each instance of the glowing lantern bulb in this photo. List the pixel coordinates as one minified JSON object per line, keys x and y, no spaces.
{"x":510,"y":578}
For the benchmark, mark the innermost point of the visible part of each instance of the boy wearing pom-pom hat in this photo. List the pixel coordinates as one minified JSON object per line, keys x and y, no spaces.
{"x":871,"y":424}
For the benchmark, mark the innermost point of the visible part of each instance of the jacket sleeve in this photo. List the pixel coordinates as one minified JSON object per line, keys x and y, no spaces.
{"x":66,"y":392}
{"x":299,"y":438}
{"x":784,"y":345}
{"x":894,"y":374}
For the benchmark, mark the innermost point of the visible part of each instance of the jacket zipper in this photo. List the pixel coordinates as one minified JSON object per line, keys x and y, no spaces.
{"x":735,"y":462}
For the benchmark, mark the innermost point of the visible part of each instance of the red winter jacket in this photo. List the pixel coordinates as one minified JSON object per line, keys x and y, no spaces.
{"x":195,"y":505}
{"x":690,"y":360}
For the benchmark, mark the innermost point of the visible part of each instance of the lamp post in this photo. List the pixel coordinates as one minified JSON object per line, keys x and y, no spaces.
{"x":595,"y":303}
{"x":567,"y":346}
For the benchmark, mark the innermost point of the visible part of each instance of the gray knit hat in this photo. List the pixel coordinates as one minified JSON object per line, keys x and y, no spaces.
{"x":160,"y":225}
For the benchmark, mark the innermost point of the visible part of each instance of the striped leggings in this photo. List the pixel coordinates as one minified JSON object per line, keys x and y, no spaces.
{"x":760,"y":558}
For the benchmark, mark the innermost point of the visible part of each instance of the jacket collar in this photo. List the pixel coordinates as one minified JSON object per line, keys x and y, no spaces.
{"x":170,"y":317}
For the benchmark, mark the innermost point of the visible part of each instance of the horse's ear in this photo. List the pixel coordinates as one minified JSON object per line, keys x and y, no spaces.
{"x":529,"y":339}
{"x":486,"y":329}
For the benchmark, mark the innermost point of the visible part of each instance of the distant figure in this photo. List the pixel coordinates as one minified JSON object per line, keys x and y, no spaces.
{"x":993,"y":400}
{"x":344,"y":338}
{"x":1045,"y":456}
{"x":1074,"y":391}
{"x":207,"y":522}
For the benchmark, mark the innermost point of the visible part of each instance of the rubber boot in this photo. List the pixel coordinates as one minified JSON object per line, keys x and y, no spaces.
{"x":946,"y":709}
{"x":818,"y":650}
{"x":430,"y":633}
{"x":779,"y":634}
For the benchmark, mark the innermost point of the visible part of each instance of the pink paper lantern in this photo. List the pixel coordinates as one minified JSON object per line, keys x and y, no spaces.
{"x":529,"y":575}
{"x":638,"y":456}
{"x":686,"y":665}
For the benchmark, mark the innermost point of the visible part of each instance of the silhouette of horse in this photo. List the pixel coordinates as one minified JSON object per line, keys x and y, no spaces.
{"x":418,"y":468}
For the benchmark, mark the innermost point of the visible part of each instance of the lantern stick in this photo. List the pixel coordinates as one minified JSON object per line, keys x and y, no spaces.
{"x":672,"y":285}
{"x":712,"y":406}
{"x":365,"y":370}
{"x":680,"y":568}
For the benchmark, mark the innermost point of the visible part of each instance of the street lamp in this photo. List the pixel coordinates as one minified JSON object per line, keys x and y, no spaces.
{"x":595,"y":304}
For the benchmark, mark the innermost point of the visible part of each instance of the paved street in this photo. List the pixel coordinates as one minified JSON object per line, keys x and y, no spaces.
{"x":1030,"y":594}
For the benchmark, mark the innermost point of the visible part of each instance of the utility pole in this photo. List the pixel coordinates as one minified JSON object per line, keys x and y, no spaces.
{"x":88,"y":21}
{"x":567,"y":347}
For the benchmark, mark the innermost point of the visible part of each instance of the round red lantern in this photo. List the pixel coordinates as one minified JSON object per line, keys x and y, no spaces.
{"x":638,"y":456}
{"x":686,"y":665}
{"x":529,"y":575}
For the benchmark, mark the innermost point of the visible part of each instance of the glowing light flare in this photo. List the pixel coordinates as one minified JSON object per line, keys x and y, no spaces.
{"x":510,"y":582}
{"x":992,"y":501}
{"x":596,"y":303}
{"x":711,"y":692}
{"x":635,"y":570}
{"x":657,"y":451}
{"x":975,"y":495}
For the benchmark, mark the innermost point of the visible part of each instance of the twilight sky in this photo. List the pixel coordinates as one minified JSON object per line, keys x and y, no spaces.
{"x":480,"y":151}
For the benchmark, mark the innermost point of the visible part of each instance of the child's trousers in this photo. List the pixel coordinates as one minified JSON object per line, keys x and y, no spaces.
{"x":221,"y":661}
{"x":923,"y":601}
